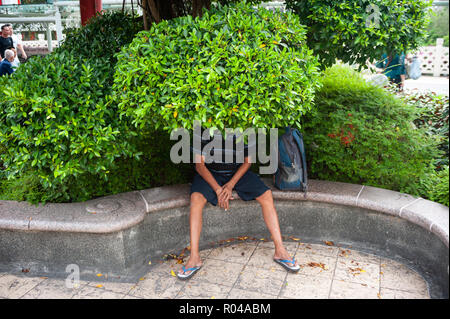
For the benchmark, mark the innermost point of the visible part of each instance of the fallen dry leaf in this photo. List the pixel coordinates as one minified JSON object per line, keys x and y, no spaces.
{"x":172,"y":273}
{"x":320,"y":265}
{"x":356,"y":271}
{"x":329,"y":243}
{"x":99,"y":286}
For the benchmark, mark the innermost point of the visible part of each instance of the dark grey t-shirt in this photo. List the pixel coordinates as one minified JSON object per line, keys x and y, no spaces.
{"x":5,"y":43}
{"x":220,"y":157}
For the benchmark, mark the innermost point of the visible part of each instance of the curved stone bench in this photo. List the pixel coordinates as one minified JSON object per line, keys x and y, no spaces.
{"x":118,"y":235}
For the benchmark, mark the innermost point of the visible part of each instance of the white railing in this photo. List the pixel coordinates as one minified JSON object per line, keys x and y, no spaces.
{"x":54,"y":18}
{"x":434,"y":59}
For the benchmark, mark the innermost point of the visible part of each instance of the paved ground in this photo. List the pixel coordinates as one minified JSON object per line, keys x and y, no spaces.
{"x":439,"y":85}
{"x":246,"y":271}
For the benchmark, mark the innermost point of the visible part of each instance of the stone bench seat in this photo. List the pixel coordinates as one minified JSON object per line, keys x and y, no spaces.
{"x":118,"y":234}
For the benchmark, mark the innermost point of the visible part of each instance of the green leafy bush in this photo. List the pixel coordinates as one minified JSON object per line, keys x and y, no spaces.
{"x":433,"y":116}
{"x":153,"y":168}
{"x":103,"y":36}
{"x":365,"y":135}
{"x":233,"y":67}
{"x":57,"y":119}
{"x":354,"y":31}
{"x":438,"y":187}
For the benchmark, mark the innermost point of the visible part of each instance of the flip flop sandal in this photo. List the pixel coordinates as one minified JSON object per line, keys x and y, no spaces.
{"x":192,"y":270}
{"x":284,"y":263}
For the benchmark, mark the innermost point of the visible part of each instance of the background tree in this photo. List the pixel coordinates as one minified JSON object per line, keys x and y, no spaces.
{"x":355,"y":31}
{"x":438,"y":27}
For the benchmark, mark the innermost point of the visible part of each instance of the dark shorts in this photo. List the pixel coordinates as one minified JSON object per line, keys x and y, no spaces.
{"x":249,"y":187}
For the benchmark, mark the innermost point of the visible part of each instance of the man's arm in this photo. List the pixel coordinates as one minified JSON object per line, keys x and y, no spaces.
{"x":22,"y":52}
{"x":206,"y":174}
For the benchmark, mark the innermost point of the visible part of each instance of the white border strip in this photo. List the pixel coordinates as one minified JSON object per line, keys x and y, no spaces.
{"x":145,"y":201}
{"x":409,"y":205}
{"x":357,"y":197}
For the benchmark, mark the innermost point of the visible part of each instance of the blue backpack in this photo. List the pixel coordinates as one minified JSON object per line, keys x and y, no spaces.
{"x":292,"y":172}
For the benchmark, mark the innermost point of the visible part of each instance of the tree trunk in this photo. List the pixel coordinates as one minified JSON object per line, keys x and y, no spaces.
{"x":154,"y":10}
{"x":157,"y":10}
{"x":144,"y":14}
{"x":198,"y":5}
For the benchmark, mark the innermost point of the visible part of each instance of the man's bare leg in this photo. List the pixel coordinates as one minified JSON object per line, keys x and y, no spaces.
{"x":198,"y":201}
{"x":271,"y":219}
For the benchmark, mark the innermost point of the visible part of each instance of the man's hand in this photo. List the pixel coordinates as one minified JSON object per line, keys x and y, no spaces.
{"x":225,"y":195}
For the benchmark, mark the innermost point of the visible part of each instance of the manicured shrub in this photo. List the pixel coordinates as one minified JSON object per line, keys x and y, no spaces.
{"x":57,"y":119}
{"x":103,"y":36}
{"x":365,"y":135}
{"x":354,"y":31}
{"x":233,"y":67}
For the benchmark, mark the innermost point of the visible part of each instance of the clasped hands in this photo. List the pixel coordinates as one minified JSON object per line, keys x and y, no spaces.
{"x":224,"y":194}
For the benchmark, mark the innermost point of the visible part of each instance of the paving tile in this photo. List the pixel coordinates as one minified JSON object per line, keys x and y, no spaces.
{"x":316,"y":249}
{"x":291,"y":247}
{"x":238,"y":253}
{"x":89,"y":292}
{"x":118,"y":287}
{"x":202,"y":290}
{"x":358,"y":272}
{"x":263,"y":258}
{"x":237,"y":293}
{"x":226,"y":274}
{"x":14,"y":287}
{"x":358,"y":256}
{"x":203,"y":253}
{"x":386,"y":293}
{"x":218,"y":272}
{"x":154,"y":286}
{"x":395,"y":275}
{"x":350,"y":290}
{"x":261,"y":280}
{"x":54,"y":289}
{"x":306,"y":287}
{"x":311,"y":264}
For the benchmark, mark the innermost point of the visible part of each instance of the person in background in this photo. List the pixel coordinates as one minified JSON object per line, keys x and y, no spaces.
{"x":393,"y":66}
{"x":5,"y":41}
{"x":17,"y":43}
{"x":6,"y":64}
